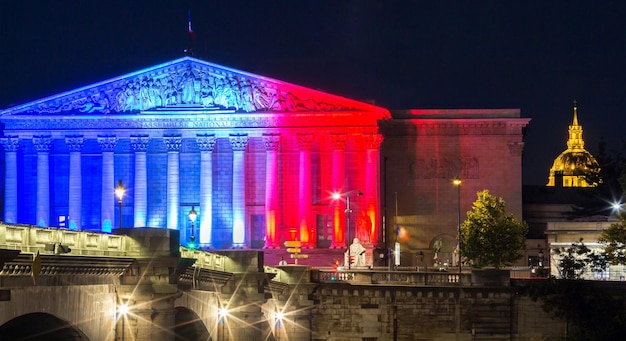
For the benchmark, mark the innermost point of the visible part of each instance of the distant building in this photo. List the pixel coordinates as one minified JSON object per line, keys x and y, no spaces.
{"x":575,"y":166}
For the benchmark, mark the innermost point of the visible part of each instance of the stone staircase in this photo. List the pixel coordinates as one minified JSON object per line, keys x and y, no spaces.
{"x":491,"y":319}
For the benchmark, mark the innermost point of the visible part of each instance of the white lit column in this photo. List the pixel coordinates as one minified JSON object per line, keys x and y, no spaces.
{"x":272,"y":143}
{"x":75,"y":203}
{"x":107,"y":204}
{"x":42,"y":146}
{"x":206,"y":144}
{"x":238,"y":142}
{"x":305,"y":141}
{"x":140,"y":191}
{"x":372,"y":178}
{"x":173,"y":143}
{"x":10,"y":143}
{"x":339,"y":172}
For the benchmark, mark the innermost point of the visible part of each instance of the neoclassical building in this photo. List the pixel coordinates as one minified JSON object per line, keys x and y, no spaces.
{"x":258,"y":159}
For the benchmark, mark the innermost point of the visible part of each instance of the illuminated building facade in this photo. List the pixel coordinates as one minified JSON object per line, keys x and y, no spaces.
{"x":575,"y":166}
{"x":258,"y":159}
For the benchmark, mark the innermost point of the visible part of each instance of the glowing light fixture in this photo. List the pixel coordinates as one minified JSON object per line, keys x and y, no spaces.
{"x":119,"y":193}
{"x":192,"y":239}
{"x":123,"y":309}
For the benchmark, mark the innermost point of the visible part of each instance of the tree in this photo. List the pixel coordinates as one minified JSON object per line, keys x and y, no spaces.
{"x":615,"y":239}
{"x":575,"y":260}
{"x":489,"y":236}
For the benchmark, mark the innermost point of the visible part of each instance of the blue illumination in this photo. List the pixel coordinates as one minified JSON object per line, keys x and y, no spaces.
{"x":107,"y":227}
{"x":192,"y":242}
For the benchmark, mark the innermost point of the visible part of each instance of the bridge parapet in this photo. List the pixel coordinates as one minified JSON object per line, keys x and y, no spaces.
{"x":30,"y":239}
{"x":367,"y":277}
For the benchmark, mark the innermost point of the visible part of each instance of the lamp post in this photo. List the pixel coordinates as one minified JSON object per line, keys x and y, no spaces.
{"x":457,"y":183}
{"x":192,"y":216}
{"x":119,"y":192}
{"x":348,"y":211}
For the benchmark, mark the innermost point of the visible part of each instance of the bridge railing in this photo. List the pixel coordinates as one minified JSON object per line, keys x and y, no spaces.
{"x":386,"y":277}
{"x":28,"y":238}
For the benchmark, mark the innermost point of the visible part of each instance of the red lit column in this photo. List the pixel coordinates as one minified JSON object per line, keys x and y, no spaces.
{"x":173,"y":143}
{"x":372,"y":178}
{"x":339,"y":172}
{"x":75,"y":146}
{"x":10,"y":143}
{"x":42,"y":145}
{"x":206,"y":144}
{"x":107,"y":205}
{"x":238,"y":142}
{"x":272,"y":142}
{"x":305,"y":195}
{"x":140,"y":189}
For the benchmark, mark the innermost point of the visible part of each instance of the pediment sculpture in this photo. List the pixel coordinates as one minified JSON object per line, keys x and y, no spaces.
{"x":189,"y":84}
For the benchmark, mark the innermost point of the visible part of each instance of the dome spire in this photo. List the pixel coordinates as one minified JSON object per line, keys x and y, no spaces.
{"x":571,"y":167}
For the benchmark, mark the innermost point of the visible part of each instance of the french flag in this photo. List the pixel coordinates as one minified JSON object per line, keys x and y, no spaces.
{"x":192,"y":34}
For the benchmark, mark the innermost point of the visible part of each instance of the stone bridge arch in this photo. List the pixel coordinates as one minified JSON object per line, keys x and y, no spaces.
{"x":41,"y":326}
{"x":189,"y":326}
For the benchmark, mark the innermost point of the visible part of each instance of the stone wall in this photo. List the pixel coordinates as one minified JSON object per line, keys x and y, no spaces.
{"x":345,"y":312}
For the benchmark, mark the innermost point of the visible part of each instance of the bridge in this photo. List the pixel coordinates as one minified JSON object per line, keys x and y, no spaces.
{"x":140,"y":284}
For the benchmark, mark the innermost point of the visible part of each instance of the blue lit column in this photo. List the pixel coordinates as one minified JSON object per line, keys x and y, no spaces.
{"x":173,"y":143}
{"x":107,"y":204}
{"x":238,"y":142}
{"x":140,"y":191}
{"x":42,"y":146}
{"x":75,"y":202}
{"x":10,"y":143}
{"x":206,"y":144}
{"x":272,"y":142}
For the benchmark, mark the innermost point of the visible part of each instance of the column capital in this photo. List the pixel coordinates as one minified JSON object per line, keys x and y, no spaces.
{"x":139,"y":142}
{"x":516,"y":148}
{"x":42,"y":143}
{"x":74,"y":142}
{"x":10,"y":143}
{"x":305,"y":140}
{"x":107,"y":142}
{"x":373,"y":140}
{"x":338,"y":140}
{"x":271,"y":141}
{"x":205,"y":142}
{"x":173,"y":142}
{"x":238,"y":142}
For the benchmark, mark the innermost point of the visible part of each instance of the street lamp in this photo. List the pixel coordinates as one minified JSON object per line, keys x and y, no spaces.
{"x":119,"y":192}
{"x":192,"y":216}
{"x":457,"y":183}
{"x":348,"y":211}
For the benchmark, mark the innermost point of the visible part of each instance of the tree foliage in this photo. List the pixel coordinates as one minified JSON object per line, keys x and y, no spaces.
{"x":489,"y":236}
{"x":575,"y":260}
{"x":615,"y":239}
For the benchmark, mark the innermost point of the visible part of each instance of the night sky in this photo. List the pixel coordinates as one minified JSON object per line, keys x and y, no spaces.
{"x":538,"y":56}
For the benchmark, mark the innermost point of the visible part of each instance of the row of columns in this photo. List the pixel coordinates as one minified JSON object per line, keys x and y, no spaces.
{"x":205,"y":142}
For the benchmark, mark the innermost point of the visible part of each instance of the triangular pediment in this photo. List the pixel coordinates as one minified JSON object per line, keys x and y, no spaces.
{"x":184,"y":85}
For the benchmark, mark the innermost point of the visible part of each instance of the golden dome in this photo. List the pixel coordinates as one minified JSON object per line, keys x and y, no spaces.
{"x":574,"y":166}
